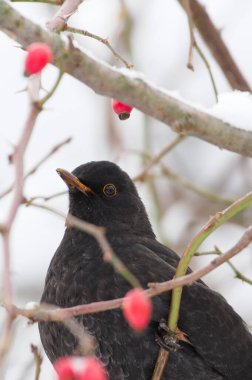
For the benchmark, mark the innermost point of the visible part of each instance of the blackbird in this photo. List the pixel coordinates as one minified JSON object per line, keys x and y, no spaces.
{"x":219,"y":345}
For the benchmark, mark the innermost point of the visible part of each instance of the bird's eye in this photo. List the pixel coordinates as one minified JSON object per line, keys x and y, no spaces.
{"x":109,"y":190}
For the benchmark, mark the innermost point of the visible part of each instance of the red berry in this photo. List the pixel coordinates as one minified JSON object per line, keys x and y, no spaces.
{"x":77,"y":368}
{"x":63,"y":367}
{"x":137,"y":309}
{"x":73,"y":368}
{"x":38,"y":55}
{"x":93,"y":370}
{"x":121,"y":109}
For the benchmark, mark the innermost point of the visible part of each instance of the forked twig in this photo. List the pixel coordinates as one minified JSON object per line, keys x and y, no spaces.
{"x":104,"y":41}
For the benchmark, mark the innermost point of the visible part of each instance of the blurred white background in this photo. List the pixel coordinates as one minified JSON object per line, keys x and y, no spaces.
{"x":159,"y":41}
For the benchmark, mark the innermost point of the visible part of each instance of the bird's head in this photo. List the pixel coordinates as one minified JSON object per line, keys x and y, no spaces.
{"x":102,"y":194}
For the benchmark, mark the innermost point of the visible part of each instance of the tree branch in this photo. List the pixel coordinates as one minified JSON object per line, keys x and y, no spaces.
{"x":17,"y":159}
{"x":111,"y":82}
{"x":52,"y":151}
{"x":244,"y":241}
{"x":219,"y":49}
{"x":52,"y":313}
{"x":237,"y":273}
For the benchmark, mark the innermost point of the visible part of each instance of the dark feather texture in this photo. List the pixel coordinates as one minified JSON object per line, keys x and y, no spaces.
{"x":221,"y":345}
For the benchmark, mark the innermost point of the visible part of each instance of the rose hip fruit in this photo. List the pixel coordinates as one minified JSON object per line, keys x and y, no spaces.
{"x":38,"y":56}
{"x":137,"y":309}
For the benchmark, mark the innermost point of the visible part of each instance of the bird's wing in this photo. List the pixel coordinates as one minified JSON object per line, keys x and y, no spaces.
{"x":165,"y":253}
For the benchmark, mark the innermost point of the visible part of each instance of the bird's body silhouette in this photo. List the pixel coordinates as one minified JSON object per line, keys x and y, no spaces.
{"x":220,"y":345}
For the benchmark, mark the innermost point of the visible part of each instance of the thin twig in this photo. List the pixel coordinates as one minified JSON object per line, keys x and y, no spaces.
{"x":104,"y":41}
{"x":194,"y":44}
{"x":52,"y":151}
{"x":212,"y":37}
{"x":237,"y":273}
{"x":86,"y":341}
{"x":192,"y":37}
{"x":176,"y":177}
{"x":162,"y":358}
{"x":243,"y":242}
{"x":45,"y":312}
{"x":156,"y":159}
{"x":38,"y":360}
{"x":192,"y":187}
{"x":17,"y":159}
{"x":150,"y":182}
{"x":51,"y":2}
{"x":52,"y":91}
{"x":208,"y":67}
{"x":44,"y":198}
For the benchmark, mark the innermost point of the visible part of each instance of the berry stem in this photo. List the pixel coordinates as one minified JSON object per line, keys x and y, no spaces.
{"x":50,"y":93}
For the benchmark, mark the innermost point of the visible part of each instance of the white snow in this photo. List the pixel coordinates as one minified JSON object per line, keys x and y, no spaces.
{"x":235,"y":108}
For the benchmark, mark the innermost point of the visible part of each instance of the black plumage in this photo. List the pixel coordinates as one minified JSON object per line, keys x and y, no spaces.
{"x":102,"y":194}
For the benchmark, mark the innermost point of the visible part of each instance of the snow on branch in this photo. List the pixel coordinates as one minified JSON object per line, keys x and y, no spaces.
{"x":128,"y":87}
